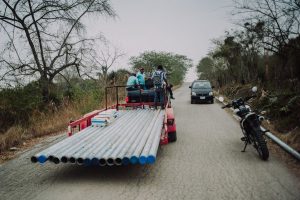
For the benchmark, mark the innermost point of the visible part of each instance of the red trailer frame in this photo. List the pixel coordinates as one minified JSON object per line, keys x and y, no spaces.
{"x":169,"y":125}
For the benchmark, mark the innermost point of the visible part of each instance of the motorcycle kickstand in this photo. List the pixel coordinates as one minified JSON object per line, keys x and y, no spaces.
{"x":246,"y":143}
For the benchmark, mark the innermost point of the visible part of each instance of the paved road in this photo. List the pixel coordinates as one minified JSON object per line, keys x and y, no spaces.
{"x":205,"y":163}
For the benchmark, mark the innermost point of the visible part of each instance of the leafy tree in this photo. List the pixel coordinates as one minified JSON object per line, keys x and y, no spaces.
{"x":205,"y":67}
{"x":176,"y":65}
{"x":45,"y":37}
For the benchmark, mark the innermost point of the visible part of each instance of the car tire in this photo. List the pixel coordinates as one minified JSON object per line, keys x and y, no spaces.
{"x":212,"y":101}
{"x":172,"y":137}
{"x":192,"y":101}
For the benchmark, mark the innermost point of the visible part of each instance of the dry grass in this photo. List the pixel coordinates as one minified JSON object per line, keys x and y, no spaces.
{"x":47,"y":123}
{"x":292,"y":138}
{"x":12,"y":137}
{"x":42,"y":124}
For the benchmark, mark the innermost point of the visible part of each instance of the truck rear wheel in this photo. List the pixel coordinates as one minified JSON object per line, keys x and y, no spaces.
{"x":172,"y":137}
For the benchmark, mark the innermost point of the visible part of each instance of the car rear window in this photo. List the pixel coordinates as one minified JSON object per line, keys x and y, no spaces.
{"x":202,"y":84}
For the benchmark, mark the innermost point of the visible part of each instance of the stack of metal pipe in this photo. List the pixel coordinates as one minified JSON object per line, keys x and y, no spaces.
{"x":133,"y":138}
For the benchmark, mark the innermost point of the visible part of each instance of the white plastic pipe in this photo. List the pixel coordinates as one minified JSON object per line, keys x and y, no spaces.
{"x":154,"y":132}
{"x":121,"y":149}
{"x":140,"y":140}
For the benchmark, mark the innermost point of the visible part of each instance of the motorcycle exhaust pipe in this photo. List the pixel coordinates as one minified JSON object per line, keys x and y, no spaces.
{"x":261,"y":118}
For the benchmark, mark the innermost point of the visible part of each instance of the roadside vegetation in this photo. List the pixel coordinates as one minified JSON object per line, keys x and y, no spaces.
{"x":51,"y":72}
{"x":265,"y":51}
{"x":175,"y":65}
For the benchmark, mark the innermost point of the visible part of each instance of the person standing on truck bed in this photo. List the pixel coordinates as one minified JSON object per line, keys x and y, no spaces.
{"x":141,"y":78}
{"x":132,"y":82}
{"x":159,"y":79}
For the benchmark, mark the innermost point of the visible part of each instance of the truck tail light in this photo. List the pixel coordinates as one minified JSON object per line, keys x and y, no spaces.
{"x":127,"y":99}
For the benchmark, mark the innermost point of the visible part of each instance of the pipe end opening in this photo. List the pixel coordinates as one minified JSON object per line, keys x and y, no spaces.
{"x":87,"y":162}
{"x":142,"y":160}
{"x":110,"y":161}
{"x":126,"y":161}
{"x":50,"y":158}
{"x":102,"y":162}
{"x":80,"y":161}
{"x":33,"y":159}
{"x":134,"y":160}
{"x":42,"y":159}
{"x":151,"y":159}
{"x":56,"y":160}
{"x":72,"y":160}
{"x":64,"y":159}
{"x":118,"y":161}
{"x":95,"y":161}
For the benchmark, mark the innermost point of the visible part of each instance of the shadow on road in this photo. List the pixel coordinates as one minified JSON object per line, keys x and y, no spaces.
{"x":71,"y":173}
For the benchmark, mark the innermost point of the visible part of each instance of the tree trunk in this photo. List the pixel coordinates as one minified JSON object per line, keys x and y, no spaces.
{"x":44,"y":85}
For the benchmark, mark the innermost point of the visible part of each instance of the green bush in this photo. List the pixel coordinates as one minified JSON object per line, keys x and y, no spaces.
{"x":17,"y":104}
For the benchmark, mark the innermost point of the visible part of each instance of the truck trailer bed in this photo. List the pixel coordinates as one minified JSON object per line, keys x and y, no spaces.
{"x":133,"y":138}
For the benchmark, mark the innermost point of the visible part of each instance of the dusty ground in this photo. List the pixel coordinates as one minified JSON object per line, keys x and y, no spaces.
{"x":27,"y":145}
{"x":205,"y":163}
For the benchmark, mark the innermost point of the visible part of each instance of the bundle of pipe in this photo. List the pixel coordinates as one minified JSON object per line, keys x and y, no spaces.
{"x":67,"y":144}
{"x":133,"y":138}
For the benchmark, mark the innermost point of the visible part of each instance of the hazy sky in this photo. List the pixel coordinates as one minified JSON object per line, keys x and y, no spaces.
{"x":181,"y":26}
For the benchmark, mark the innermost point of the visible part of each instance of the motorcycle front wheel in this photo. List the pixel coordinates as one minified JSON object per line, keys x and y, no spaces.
{"x":260,"y":144}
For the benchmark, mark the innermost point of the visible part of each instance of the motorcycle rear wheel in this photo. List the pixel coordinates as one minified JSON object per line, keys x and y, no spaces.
{"x":260,"y":144}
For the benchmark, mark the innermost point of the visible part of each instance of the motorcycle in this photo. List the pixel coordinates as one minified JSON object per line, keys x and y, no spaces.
{"x":250,"y":123}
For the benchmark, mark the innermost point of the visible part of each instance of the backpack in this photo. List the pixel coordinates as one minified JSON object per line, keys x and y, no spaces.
{"x":157,"y":80}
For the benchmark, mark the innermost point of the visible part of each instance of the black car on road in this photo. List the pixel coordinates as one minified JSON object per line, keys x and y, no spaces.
{"x":201,"y":91}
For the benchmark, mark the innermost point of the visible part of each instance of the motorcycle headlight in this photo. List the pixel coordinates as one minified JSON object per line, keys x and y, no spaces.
{"x":210,"y":93}
{"x":194,"y":93}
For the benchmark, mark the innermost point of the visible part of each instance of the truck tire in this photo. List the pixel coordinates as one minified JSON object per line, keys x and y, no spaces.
{"x":172,"y":137}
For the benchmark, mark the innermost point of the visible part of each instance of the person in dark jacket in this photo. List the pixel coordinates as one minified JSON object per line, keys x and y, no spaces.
{"x":159,"y":80}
